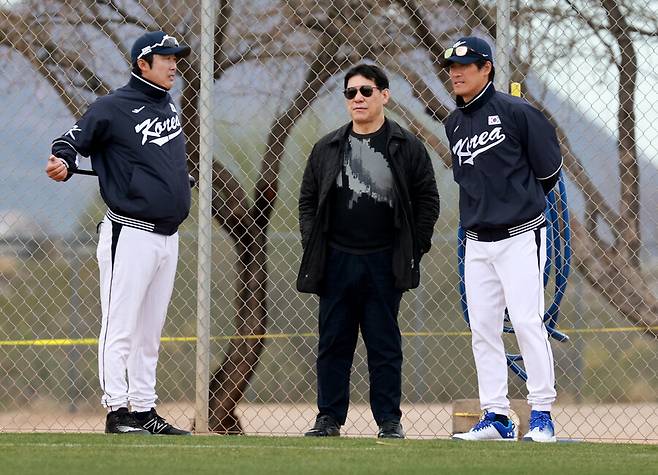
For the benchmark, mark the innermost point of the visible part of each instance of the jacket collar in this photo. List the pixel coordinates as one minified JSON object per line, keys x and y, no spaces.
{"x":394,"y":131}
{"x":147,"y":87}
{"x":478,"y":101}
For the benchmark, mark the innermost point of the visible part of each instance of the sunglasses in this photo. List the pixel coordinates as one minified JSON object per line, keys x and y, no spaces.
{"x":167,"y":42}
{"x":366,"y":91}
{"x":462,"y":51}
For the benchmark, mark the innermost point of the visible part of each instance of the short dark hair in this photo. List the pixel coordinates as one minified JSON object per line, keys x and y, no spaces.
{"x":480,"y":64}
{"x":368,"y":71}
{"x":148,"y":58}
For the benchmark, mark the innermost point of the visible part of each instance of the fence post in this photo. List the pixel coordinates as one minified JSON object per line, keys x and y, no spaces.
{"x":204,"y":258}
{"x":73,"y":352}
{"x":503,"y":45}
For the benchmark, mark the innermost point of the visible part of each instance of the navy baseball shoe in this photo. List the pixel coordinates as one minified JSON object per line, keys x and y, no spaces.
{"x":325,"y":426}
{"x":155,"y":424}
{"x":541,"y":428}
{"x":489,"y":429}
{"x":122,"y":422}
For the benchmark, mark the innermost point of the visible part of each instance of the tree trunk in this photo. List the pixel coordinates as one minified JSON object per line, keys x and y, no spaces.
{"x":629,"y":241}
{"x":609,"y":272}
{"x":229,"y":381}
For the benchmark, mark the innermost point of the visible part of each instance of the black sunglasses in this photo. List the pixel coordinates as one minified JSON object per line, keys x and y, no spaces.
{"x":366,"y":91}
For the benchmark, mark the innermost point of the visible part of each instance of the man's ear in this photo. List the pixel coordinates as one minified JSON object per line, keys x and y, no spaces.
{"x":143,"y":65}
{"x":386,"y":94}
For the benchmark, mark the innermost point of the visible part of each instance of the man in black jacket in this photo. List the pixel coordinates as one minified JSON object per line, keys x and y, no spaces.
{"x":134,"y":138}
{"x":367,"y":207}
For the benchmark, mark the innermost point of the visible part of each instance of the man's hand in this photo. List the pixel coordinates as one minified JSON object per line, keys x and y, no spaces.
{"x":56,"y":168}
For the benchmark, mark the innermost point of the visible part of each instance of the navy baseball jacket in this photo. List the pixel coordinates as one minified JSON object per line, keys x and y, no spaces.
{"x":136,"y":144}
{"x":502,"y":149}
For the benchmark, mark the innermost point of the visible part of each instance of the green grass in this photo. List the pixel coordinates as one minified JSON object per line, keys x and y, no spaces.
{"x":99,"y":454}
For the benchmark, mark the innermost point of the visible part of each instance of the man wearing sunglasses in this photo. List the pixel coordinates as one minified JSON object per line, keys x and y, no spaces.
{"x":134,"y":138}
{"x":505,"y":158}
{"x":367,"y":207}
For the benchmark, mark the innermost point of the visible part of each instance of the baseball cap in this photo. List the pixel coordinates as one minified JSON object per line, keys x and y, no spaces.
{"x":157,"y":42}
{"x":467,"y":50}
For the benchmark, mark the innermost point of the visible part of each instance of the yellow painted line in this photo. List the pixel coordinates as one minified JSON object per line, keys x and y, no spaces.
{"x":286,"y":336}
{"x":436,"y":333}
{"x":51,"y":342}
{"x":610,"y":330}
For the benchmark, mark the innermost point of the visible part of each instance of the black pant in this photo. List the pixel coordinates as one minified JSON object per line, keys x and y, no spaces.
{"x":359,"y":292}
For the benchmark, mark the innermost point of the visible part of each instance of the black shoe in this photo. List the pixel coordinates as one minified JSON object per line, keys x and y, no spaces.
{"x":122,"y":422}
{"x":325,"y":426}
{"x":153,"y":423}
{"x":390,"y":430}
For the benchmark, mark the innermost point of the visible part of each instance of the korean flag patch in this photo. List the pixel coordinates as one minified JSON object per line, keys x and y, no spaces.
{"x":494,"y":120}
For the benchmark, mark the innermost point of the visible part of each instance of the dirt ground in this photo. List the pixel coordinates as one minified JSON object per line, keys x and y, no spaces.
{"x":619,"y":423}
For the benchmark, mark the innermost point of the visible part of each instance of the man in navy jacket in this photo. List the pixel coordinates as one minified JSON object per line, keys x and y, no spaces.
{"x":505,"y":157}
{"x":134,"y":138}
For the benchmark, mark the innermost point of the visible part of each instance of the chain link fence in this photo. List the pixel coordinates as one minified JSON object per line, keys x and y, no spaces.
{"x":275,"y":90}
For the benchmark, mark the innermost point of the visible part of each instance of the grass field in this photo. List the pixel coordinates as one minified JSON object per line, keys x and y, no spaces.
{"x":98,"y":454}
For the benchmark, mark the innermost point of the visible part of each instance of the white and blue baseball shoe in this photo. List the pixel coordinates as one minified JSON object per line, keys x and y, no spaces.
{"x":541,"y":428}
{"x":489,"y":429}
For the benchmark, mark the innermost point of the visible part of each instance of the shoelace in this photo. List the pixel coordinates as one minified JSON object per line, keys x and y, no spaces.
{"x":486,"y":421}
{"x":539,"y":421}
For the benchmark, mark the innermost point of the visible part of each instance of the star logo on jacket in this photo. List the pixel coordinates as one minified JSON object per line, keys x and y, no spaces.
{"x":75,"y":128}
{"x":493,"y":120}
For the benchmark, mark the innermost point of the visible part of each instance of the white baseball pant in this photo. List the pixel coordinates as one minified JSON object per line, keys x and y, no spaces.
{"x":137,"y":271}
{"x":509,"y":273}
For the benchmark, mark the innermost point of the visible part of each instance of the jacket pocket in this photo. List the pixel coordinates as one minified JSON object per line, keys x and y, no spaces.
{"x":150,"y":197}
{"x":312,"y":264}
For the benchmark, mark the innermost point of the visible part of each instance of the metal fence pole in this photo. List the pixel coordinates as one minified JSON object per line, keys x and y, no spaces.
{"x":503,"y":45}
{"x":205,"y":215}
{"x":73,"y":353}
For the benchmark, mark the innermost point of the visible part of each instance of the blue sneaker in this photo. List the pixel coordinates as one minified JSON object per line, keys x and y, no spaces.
{"x":541,"y":428}
{"x":489,"y":429}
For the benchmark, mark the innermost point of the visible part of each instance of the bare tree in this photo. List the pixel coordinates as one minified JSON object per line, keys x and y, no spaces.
{"x":336,"y":34}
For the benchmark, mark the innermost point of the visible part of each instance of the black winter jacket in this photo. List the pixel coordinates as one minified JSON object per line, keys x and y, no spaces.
{"x":415,"y":212}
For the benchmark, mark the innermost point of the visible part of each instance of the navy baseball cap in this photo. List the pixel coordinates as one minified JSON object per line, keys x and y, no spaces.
{"x":467,"y":50}
{"x":157,"y":42}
